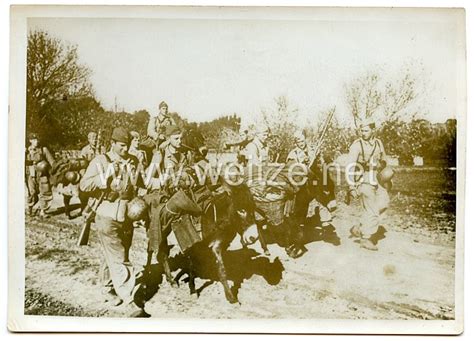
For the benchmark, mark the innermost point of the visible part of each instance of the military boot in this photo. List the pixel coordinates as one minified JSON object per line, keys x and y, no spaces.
{"x":368,"y":244}
{"x":355,"y":232}
{"x":44,"y":215}
{"x":30,"y":212}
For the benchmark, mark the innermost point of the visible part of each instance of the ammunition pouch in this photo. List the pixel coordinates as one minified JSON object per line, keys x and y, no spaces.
{"x":111,"y":196}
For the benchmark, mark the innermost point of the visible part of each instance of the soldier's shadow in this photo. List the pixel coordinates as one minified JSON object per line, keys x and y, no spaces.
{"x":313,"y":232}
{"x":240,"y":265}
{"x":309,"y":233}
{"x":61,"y":209}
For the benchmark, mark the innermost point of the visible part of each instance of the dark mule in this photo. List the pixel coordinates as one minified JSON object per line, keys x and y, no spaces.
{"x":320,"y":187}
{"x":227,"y":213}
{"x":193,"y":144}
{"x":289,"y":231}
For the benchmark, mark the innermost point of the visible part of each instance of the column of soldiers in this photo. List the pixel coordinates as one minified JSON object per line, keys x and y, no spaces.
{"x":110,"y":195}
{"x":371,"y":185}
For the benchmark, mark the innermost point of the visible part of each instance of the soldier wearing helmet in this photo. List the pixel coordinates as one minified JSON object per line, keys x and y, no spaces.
{"x":366,"y":160}
{"x":38,"y":161}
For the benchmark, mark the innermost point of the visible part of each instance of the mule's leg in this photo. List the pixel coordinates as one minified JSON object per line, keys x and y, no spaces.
{"x":262,"y":240}
{"x":84,"y":199}
{"x":67,"y":207}
{"x":162,"y":258}
{"x":145,"y":276}
{"x":192,"y":275}
{"x":216,"y":247}
{"x":149,"y":258}
{"x":294,"y":240}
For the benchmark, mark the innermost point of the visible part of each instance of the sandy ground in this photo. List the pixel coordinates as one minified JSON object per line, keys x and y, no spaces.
{"x":410,"y":277}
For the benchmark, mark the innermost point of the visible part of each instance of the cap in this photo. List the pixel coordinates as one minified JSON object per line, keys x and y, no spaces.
{"x":32,"y":136}
{"x":172,"y":130}
{"x":162,"y":104}
{"x":299,"y":136}
{"x":262,"y":129}
{"x":368,"y":121}
{"x":120,"y":134}
{"x":134,"y":134}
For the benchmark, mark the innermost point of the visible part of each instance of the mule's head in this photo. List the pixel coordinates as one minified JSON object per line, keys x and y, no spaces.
{"x":244,"y":213}
{"x":193,"y":141}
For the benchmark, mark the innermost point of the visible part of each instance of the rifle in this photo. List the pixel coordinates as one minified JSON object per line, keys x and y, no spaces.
{"x":89,"y":216}
{"x":240,"y":144}
{"x":97,"y":143}
{"x":322,"y":134}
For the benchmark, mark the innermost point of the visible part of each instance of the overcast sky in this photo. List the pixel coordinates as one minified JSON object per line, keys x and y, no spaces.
{"x":208,"y":68}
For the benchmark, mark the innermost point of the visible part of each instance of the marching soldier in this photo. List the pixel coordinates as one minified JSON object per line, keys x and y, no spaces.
{"x":244,"y":140}
{"x":302,"y":153}
{"x":90,"y":151}
{"x":166,"y":178}
{"x":167,"y":160}
{"x":367,"y":153}
{"x":112,"y":181}
{"x":38,"y":161}
{"x":139,"y":154}
{"x":256,"y":152}
{"x":305,"y":154}
{"x":135,"y":150}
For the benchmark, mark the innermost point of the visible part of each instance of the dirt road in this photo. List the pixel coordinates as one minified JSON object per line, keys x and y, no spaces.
{"x":410,"y":277}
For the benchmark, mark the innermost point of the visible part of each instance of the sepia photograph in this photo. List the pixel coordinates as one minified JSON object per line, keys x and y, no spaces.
{"x":268,"y":169}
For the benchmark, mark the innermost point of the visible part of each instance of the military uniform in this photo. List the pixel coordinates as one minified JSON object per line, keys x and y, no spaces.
{"x":139,"y":154}
{"x":114,"y":229}
{"x":39,"y":187}
{"x":368,"y":156}
{"x":88,"y":152}
{"x":157,"y":127}
{"x":307,"y":156}
{"x":256,"y":152}
{"x":166,"y":162}
{"x":302,"y":155}
{"x":167,"y":174}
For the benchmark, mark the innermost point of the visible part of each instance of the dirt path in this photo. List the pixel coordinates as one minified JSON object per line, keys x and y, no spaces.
{"x":410,"y":277}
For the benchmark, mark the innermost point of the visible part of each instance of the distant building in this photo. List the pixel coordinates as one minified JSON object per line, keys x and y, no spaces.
{"x":418,"y":161}
{"x":392,"y":160}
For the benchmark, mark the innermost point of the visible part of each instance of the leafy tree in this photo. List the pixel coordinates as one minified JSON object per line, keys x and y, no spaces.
{"x":364,"y":96}
{"x":53,"y":74}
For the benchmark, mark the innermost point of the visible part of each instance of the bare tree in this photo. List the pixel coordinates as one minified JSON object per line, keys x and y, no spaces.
{"x":53,"y":73}
{"x":281,"y":115}
{"x":364,"y":97}
{"x":398,"y":96}
{"x":281,"y":121}
{"x":393,"y":99}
